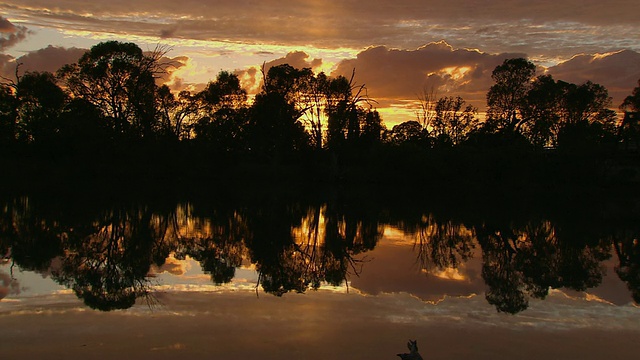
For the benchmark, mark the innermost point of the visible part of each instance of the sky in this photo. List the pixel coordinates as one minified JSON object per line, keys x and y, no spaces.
{"x":397,"y":49}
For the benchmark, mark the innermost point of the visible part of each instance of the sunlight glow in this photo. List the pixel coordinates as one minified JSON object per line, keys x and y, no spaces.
{"x":447,"y":274}
{"x":456,"y":72}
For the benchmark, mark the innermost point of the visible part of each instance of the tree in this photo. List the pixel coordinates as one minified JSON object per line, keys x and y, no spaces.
{"x":407,"y":132}
{"x":119,"y":79}
{"x":586,"y":118}
{"x":632,"y":102}
{"x":427,"y":101}
{"x":314,"y":101}
{"x":542,"y":111}
{"x":454,"y":119}
{"x":505,"y":99}
{"x":275,"y":127}
{"x":221,"y":108}
{"x":630,"y":127}
{"x":346,"y":116}
{"x":176,"y":113}
{"x":588,"y":102}
{"x":40,"y":103}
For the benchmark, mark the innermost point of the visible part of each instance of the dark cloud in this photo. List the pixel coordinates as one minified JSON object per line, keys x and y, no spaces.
{"x":7,"y":66}
{"x":49,"y":59}
{"x":393,"y":74}
{"x":618,"y":72}
{"x":559,"y":28}
{"x":11,"y":34}
{"x":6,"y":26}
{"x":297,"y":59}
{"x":168,"y":32}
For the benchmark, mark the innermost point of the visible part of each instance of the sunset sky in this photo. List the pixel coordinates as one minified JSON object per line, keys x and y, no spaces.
{"x":396,"y":48}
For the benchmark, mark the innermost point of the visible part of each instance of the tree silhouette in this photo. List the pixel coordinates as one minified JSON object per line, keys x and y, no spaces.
{"x":275,"y":127}
{"x":223,"y":114}
{"x":119,"y":79}
{"x":543,"y":111}
{"x":505,"y":98}
{"x":632,"y":102}
{"x":453,"y":120}
{"x":407,"y":132}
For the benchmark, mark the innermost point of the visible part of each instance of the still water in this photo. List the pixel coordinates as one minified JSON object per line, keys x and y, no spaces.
{"x":314,"y":278}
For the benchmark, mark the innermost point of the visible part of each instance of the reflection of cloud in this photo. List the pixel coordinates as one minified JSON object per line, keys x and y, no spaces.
{"x":175,"y":346}
{"x":172,"y":266}
{"x":376,"y":278}
{"x":8,"y":286}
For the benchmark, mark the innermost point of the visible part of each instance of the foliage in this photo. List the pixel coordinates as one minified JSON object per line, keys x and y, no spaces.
{"x":505,"y":98}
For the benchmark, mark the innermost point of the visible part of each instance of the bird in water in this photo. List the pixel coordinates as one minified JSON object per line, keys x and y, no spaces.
{"x":413,"y":351}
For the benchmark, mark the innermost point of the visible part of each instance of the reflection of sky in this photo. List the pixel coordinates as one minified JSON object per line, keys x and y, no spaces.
{"x":390,"y":301}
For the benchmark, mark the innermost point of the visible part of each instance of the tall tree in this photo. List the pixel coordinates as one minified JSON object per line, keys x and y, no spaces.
{"x":506,"y":97}
{"x":40,"y":103}
{"x":542,"y":111}
{"x":222,"y":111}
{"x":119,"y":79}
{"x":275,"y":126}
{"x":346,"y":115}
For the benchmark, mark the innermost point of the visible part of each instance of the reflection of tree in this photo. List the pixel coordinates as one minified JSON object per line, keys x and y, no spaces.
{"x":528,"y":260}
{"x":216,"y":243}
{"x":32,"y":240}
{"x":107,"y":267}
{"x":627,"y":248}
{"x":297,"y":247}
{"x":443,"y":244}
{"x":499,"y":269}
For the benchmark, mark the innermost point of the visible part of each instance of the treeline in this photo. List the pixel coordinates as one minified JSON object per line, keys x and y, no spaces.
{"x":107,"y":111}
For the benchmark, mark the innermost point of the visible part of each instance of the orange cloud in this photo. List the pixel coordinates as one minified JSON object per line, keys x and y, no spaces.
{"x":393,"y":75}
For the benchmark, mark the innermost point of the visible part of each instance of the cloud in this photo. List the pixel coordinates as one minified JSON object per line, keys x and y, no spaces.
{"x":393,"y":74}
{"x":11,"y":34}
{"x":6,"y":26}
{"x":172,"y":266}
{"x":168,"y":32}
{"x":617,"y":71}
{"x":7,"y":66}
{"x":49,"y":59}
{"x":545,"y":28}
{"x":297,"y":59}
{"x":8,"y":286}
{"x":171,"y":66}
